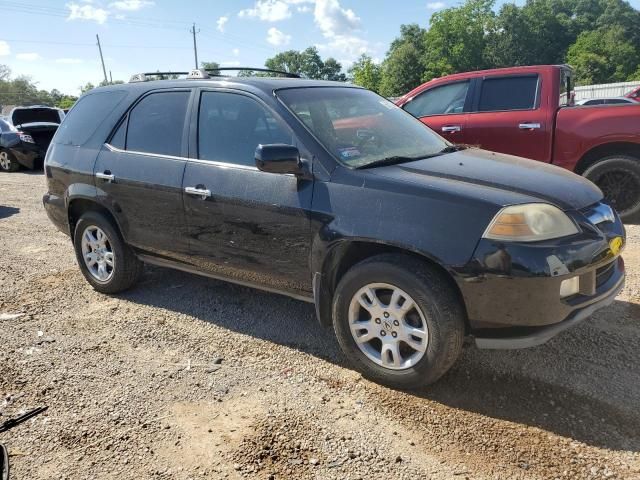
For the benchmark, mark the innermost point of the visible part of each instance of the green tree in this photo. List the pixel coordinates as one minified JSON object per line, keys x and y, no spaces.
{"x":85,"y":88}
{"x":307,"y":63}
{"x":66,"y":102}
{"x":402,"y":69}
{"x":211,"y":66}
{"x":332,"y":70}
{"x":366,"y":73}
{"x":603,"y":56}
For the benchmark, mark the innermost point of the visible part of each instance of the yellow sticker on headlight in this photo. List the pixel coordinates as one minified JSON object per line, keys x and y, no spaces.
{"x":616,"y":245}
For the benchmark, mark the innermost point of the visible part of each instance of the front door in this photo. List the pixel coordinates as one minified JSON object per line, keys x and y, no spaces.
{"x":443,"y":109}
{"x":139,"y":172}
{"x":244,"y":224}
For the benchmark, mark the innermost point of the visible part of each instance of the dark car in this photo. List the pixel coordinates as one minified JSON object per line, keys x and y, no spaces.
{"x":16,"y":148}
{"x":39,"y":123}
{"x":329,"y":193}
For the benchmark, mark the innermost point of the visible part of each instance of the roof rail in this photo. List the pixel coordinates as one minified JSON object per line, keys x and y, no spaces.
{"x":252,"y":69}
{"x":200,"y":73}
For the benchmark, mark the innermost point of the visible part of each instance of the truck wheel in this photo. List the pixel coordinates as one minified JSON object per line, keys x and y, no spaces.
{"x":398,"y":321}
{"x":108,"y":264}
{"x":618,"y":176}
{"x":8,"y":162}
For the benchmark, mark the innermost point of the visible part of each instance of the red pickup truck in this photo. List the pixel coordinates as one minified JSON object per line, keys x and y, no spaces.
{"x":529,"y":112}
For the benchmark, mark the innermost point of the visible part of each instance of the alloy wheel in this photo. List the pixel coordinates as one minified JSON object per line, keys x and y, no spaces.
{"x":5,"y":163}
{"x":621,"y":189}
{"x":388,"y":326}
{"x":97,"y":253}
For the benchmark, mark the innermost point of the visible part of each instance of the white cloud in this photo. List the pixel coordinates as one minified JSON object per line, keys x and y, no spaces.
{"x":268,"y":10}
{"x":86,"y":12}
{"x":131,"y":5}
{"x":68,"y":61}
{"x":304,"y":9}
{"x":333,"y":20}
{"x":28,"y":57}
{"x":4,"y":49}
{"x":236,"y":51}
{"x":222,"y":21}
{"x":277,"y":38}
{"x":436,"y":5}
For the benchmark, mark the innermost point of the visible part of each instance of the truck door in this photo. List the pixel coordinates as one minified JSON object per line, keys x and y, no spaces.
{"x":442,"y":108}
{"x":508,"y":115}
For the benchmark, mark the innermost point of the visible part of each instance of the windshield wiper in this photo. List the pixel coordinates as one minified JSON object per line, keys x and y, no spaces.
{"x":396,"y":159}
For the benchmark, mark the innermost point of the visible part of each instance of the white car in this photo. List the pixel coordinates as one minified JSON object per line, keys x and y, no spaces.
{"x":605,"y":101}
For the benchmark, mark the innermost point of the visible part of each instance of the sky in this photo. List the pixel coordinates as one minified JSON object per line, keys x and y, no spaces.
{"x":54,"y":42}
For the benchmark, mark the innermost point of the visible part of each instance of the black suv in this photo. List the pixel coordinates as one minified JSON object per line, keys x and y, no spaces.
{"x":331,"y":194}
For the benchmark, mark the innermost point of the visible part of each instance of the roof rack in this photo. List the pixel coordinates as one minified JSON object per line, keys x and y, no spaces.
{"x":200,"y":73}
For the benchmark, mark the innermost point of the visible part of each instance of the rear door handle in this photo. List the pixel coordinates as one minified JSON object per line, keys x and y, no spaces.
{"x":201,"y":192}
{"x":451,"y":128}
{"x":529,"y":126}
{"x":106,"y":175}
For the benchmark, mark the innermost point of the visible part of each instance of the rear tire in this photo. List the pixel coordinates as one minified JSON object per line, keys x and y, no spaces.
{"x":618,"y":176}
{"x":108,"y":264}
{"x":437,"y":320}
{"x":8,"y":162}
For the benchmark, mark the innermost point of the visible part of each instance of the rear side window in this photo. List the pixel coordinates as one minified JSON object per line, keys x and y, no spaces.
{"x":231,"y":126}
{"x":156,"y":123}
{"x":443,"y":100}
{"x":508,"y":93}
{"x":87,"y":115}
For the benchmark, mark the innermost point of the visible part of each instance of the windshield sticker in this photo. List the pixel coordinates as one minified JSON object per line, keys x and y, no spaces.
{"x":349,"y":152}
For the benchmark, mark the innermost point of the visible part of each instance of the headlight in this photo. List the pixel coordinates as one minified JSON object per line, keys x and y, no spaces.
{"x":529,"y":223}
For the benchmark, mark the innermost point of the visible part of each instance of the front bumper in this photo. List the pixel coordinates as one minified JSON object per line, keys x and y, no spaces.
{"x":512,"y":290}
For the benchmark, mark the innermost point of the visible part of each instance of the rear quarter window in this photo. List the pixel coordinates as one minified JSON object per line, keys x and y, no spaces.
{"x":87,"y":115}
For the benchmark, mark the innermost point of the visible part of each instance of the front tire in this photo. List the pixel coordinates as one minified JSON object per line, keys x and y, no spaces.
{"x":618,"y":176}
{"x":398,"y":321}
{"x":8,"y":162}
{"x":108,"y":264}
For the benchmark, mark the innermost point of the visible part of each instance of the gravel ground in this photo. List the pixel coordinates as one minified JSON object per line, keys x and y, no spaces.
{"x":186,"y":377}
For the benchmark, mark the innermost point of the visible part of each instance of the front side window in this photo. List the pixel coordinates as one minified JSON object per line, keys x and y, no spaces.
{"x":508,"y":93}
{"x":156,"y":124}
{"x":359,"y":127}
{"x":231,"y":126}
{"x":443,"y":100}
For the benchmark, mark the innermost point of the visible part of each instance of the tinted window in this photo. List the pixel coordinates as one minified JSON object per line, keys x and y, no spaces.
{"x":594,"y":102}
{"x":4,"y":126}
{"x":156,"y":123}
{"x":231,"y":126}
{"x":508,"y":93}
{"x":616,"y":101}
{"x":440,"y":100}
{"x":119,"y":138}
{"x":87,"y":115}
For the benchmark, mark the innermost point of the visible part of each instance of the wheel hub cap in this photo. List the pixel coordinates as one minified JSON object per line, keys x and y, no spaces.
{"x":4,"y":160}
{"x":97,"y":253}
{"x":388,"y":326}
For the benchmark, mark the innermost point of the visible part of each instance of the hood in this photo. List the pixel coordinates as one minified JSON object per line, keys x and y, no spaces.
{"x":23,"y":116}
{"x":536,"y":180}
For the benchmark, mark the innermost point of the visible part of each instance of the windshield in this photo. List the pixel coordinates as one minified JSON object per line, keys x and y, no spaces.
{"x":359,"y":127}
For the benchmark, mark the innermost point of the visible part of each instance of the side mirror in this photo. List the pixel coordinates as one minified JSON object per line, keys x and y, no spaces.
{"x":279,"y":158}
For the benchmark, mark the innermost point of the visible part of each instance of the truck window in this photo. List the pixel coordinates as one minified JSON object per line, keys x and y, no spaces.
{"x":156,"y":123}
{"x":443,"y":100}
{"x":508,"y":93}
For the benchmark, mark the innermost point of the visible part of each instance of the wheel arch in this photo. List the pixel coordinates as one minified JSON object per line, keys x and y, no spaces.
{"x":347,"y":253}
{"x":606,"y":150}
{"x":79,"y":205}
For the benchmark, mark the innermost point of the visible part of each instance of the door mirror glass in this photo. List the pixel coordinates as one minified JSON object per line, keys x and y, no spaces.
{"x":278,"y":158}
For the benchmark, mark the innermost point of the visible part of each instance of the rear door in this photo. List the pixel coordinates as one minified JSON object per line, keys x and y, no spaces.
{"x":508,"y":116}
{"x":443,"y":109}
{"x":140,"y":169}
{"x":244,"y":224}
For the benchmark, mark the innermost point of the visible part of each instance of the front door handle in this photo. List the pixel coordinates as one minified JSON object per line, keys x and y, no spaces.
{"x":529,"y":126}
{"x":201,"y":192}
{"x":451,"y":128}
{"x":106,"y":175}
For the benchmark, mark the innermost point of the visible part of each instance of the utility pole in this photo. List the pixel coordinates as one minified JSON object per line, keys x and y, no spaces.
{"x":104,"y":70}
{"x":195,"y":45}
{"x":110,"y":77}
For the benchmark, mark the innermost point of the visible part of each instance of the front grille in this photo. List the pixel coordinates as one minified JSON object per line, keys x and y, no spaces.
{"x":604,"y":273}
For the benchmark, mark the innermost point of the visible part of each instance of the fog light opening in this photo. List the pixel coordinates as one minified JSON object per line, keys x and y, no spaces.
{"x":569,"y":287}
